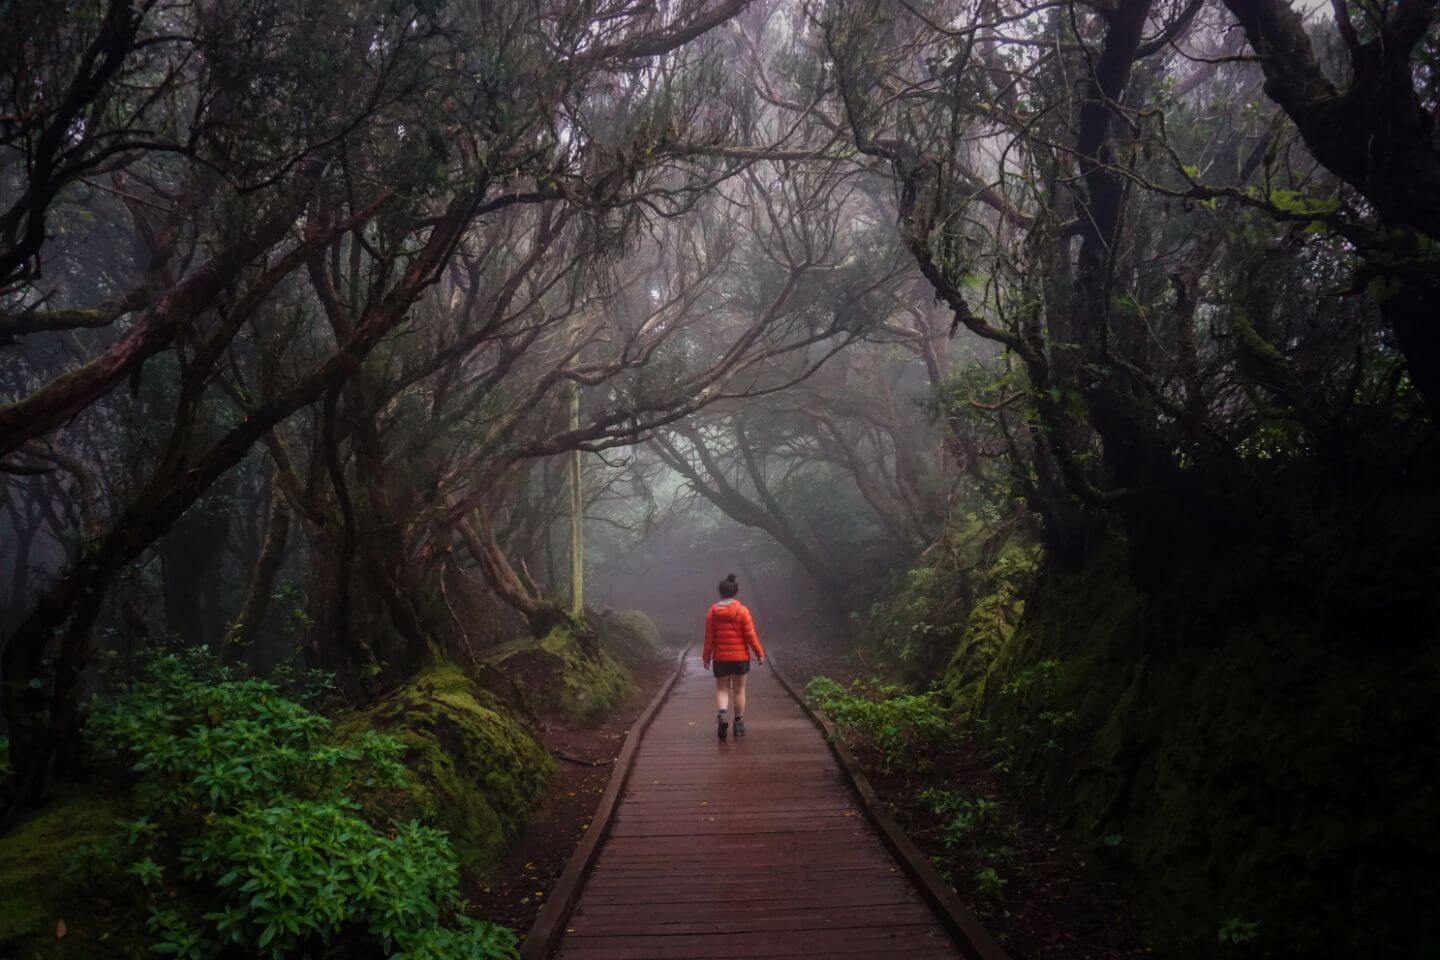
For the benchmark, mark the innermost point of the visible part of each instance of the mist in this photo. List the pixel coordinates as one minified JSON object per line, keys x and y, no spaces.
{"x":1060,"y":382}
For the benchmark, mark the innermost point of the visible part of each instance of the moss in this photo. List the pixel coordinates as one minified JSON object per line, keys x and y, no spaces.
{"x":561,"y":677}
{"x":917,"y":624}
{"x":630,"y":636}
{"x":476,"y":771}
{"x":991,"y":622}
{"x":36,"y":891}
{"x":1247,"y":752}
{"x":1254,"y":739}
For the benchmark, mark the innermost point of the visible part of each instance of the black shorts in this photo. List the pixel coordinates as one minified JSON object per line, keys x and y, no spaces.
{"x":732,"y":668}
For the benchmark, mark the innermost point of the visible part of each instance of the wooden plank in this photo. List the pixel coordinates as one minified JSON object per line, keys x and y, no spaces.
{"x":884,"y":915}
{"x":973,"y":938}
{"x":756,"y":847}
{"x":550,"y":924}
{"x":891,"y":942}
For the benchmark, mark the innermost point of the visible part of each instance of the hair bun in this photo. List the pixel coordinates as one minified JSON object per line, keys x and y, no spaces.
{"x":730,"y":578}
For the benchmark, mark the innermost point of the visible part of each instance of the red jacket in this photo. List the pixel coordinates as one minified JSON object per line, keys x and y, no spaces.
{"x":730,"y":633}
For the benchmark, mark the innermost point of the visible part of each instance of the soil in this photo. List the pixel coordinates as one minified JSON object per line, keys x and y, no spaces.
{"x":514,"y":889}
{"x":803,"y":658}
{"x":1057,"y":903}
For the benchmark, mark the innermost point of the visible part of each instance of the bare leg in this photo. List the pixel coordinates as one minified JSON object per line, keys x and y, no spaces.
{"x":722,"y":693}
{"x":739,"y":695}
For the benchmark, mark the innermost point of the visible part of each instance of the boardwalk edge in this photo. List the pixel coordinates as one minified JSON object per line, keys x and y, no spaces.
{"x":549,"y":926}
{"x":971,"y":936}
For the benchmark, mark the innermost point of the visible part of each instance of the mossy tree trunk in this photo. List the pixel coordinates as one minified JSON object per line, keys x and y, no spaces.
{"x":577,"y":517}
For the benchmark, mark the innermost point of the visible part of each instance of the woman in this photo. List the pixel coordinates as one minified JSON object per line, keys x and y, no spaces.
{"x":729,"y":638}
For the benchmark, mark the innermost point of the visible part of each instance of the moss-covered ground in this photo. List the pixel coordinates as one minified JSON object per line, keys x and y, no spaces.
{"x":45,"y":914}
{"x":630,"y":636}
{"x":476,"y":772}
{"x":563,"y":678}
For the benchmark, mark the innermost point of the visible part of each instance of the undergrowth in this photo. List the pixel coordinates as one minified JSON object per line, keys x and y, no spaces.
{"x":901,"y":729}
{"x":252,"y":841}
{"x":982,"y":830}
{"x":896,"y":733}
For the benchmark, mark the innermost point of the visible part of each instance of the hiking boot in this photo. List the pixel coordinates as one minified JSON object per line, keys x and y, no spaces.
{"x":739,"y":726}
{"x":721,"y":726}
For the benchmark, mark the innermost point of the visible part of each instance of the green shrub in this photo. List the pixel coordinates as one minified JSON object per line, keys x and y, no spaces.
{"x":254,"y":843}
{"x":980,"y":828}
{"x":303,"y":871}
{"x":901,"y":728}
{"x":198,"y":738}
{"x":1237,"y":930}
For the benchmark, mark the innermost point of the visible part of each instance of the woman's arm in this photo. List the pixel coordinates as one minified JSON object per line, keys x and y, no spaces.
{"x":752,"y":639}
{"x":709,"y":637}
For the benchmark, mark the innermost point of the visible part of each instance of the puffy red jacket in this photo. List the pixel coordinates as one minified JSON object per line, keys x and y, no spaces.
{"x":730,"y":633}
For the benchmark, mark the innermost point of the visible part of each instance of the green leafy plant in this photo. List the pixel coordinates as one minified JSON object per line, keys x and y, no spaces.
{"x":254,"y":844}
{"x":1039,"y":679}
{"x":902,"y":728}
{"x":989,"y":885}
{"x":198,"y":737}
{"x":1237,"y":930}
{"x":301,"y":872}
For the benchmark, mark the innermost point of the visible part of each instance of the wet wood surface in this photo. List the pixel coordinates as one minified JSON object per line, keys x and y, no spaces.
{"x":747,"y":847}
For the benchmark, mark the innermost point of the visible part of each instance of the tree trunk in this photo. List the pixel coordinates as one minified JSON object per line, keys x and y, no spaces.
{"x":577,"y":517}
{"x":1411,"y":312}
{"x":192,"y":556}
{"x":20,"y":572}
{"x":246,"y":625}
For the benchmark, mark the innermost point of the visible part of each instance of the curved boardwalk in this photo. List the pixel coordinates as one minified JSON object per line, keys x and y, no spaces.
{"x":746,"y":848}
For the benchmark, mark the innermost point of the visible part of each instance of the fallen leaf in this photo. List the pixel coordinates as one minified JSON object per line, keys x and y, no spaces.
{"x":60,"y":929}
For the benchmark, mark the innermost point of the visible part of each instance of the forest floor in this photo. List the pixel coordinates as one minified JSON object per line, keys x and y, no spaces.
{"x":514,"y":889}
{"x":1057,"y":903}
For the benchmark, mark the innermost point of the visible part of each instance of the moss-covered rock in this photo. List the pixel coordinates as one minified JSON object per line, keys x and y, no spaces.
{"x":476,"y":772}
{"x":630,"y":635}
{"x":946,"y":615}
{"x":992,"y":620}
{"x":37,"y":892}
{"x":561,"y":677}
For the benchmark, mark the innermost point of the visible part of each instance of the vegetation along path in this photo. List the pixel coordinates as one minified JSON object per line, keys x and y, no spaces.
{"x":750,"y":847}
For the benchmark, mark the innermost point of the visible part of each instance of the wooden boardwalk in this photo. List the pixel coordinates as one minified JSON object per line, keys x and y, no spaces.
{"x":744,"y":848}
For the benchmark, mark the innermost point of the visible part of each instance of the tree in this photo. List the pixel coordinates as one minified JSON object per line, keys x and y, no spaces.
{"x":369,"y":154}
